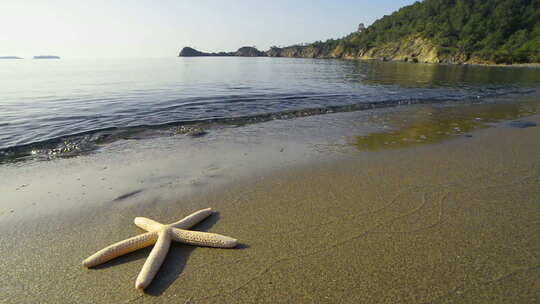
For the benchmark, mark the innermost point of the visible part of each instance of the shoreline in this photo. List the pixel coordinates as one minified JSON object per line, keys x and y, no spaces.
{"x":231,"y":54}
{"x":319,"y":219}
{"x":85,"y":142}
{"x":515,"y":65}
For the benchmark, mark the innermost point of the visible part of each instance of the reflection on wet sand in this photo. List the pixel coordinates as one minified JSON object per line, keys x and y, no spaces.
{"x":432,"y":124}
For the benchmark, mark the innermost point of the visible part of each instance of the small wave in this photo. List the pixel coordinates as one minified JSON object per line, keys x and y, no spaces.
{"x":88,"y":141}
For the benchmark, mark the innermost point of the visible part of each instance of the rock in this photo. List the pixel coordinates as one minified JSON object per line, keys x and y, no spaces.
{"x":191,"y":131}
{"x":521,"y":124}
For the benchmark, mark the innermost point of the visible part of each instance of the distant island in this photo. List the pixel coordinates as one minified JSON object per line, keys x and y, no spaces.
{"x":10,"y":57}
{"x":432,"y":31}
{"x":46,"y":57}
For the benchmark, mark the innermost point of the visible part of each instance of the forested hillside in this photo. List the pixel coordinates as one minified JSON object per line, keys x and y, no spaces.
{"x":455,"y":31}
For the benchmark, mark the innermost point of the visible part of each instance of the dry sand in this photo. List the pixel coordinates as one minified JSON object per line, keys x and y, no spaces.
{"x":449,"y":221}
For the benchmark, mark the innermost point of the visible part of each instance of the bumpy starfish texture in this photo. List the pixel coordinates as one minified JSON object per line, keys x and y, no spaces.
{"x":160,"y":236}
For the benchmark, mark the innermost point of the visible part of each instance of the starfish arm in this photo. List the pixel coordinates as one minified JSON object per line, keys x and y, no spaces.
{"x":202,"y":238}
{"x":121,"y":248}
{"x":154,"y":260}
{"x":192,"y":219}
{"x":147,"y":224}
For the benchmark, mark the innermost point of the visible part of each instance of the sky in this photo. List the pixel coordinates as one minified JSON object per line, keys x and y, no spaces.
{"x":160,"y":28}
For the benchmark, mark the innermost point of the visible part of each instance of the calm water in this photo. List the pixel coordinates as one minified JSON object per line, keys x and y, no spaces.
{"x":66,"y":106}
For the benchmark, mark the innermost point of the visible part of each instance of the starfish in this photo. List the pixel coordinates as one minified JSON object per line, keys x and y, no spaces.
{"x":160,"y":235}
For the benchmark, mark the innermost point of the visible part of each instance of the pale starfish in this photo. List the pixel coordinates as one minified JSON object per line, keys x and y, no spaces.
{"x":161,"y":236}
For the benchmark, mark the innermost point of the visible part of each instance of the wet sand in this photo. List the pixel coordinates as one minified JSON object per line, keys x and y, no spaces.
{"x":452,"y":220}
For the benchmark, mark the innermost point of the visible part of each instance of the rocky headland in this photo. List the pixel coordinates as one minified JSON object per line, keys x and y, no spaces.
{"x":246,"y":51}
{"x":433,"y":31}
{"x":412,"y":49}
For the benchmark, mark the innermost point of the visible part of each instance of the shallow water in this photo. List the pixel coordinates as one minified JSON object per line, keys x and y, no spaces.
{"x":429,"y":124}
{"x":69,"y":107}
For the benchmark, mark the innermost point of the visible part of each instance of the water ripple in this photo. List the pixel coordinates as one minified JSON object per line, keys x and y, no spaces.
{"x":77,"y":109}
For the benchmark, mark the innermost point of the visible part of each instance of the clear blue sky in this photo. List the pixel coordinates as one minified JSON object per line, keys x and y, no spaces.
{"x":159,"y":28}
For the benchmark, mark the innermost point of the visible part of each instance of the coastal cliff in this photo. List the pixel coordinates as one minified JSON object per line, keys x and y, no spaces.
{"x":412,"y":49}
{"x":415,"y":48}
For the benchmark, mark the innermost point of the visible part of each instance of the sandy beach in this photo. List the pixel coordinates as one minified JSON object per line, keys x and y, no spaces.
{"x":328,"y":209}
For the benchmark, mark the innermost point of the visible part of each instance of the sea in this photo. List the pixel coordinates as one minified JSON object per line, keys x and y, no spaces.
{"x":62,"y":108}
